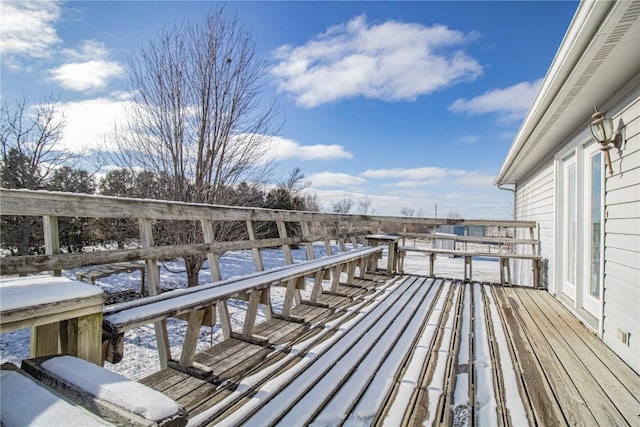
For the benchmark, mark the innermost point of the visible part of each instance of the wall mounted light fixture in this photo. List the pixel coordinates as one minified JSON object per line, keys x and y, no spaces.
{"x":601,"y":128}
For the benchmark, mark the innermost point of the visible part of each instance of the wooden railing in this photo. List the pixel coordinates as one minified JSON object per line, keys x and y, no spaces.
{"x":507,"y":237}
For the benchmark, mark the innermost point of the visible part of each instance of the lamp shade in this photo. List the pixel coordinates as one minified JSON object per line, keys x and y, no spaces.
{"x":601,"y":127}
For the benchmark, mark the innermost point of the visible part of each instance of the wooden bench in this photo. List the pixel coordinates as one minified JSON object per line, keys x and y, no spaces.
{"x":106,"y":394}
{"x":25,"y":401}
{"x":503,"y":257}
{"x":64,"y":315}
{"x":122,"y":317}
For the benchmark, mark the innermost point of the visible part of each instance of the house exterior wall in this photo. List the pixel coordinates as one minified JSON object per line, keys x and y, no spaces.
{"x":538,"y":198}
{"x":622,"y":239}
{"x":534,"y":201}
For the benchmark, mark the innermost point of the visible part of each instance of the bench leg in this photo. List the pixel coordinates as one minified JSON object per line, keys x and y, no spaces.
{"x":225,"y":321}
{"x":432,"y":264}
{"x":351,"y":272}
{"x":252,"y":311}
{"x":191,"y":338}
{"x":468,"y":273}
{"x":293,"y":287}
{"x":335,"y":277}
{"x":45,"y":340}
{"x":317,"y":286}
{"x":400,"y":262}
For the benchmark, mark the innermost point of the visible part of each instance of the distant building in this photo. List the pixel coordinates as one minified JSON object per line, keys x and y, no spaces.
{"x":589,"y":219}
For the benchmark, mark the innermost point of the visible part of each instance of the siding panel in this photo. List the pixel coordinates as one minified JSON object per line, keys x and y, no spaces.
{"x":622,"y":242}
{"x":535,"y":202}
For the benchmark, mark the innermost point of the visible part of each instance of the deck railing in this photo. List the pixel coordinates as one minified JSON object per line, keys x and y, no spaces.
{"x":468,"y":235}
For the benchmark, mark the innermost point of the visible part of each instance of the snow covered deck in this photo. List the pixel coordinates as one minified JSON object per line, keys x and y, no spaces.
{"x":413,"y":350}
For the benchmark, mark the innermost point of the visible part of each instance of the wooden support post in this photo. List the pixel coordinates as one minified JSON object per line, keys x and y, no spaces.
{"x":282,"y":233}
{"x":327,"y":242}
{"x":535,"y":265}
{"x":432,"y":264}
{"x":252,"y":311}
{"x":468,"y":273}
{"x":306,"y":232}
{"x":153,"y":279}
{"x":84,"y":338}
{"x":45,"y":339}
{"x":336,"y":272}
{"x":257,"y":256}
{"x":191,"y":338}
{"x":351,"y":272}
{"x":317,"y":286}
{"x":401,"y":255}
{"x":362,"y":267}
{"x":51,"y":238}
{"x":208,"y":233}
{"x":343,"y":247}
{"x":225,"y":320}
{"x":354,"y":242}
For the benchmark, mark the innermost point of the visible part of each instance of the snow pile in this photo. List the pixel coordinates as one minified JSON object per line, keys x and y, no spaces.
{"x":111,"y":387}
{"x":29,"y":403}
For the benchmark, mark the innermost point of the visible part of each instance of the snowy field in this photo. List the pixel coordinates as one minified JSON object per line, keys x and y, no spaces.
{"x":140,"y":352}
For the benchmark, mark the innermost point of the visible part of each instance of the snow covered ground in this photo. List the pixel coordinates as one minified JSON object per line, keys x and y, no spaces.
{"x":140,"y":353}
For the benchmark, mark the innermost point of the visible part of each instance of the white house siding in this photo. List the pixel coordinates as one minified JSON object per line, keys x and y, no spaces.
{"x":622,"y":241}
{"x":534,"y":202}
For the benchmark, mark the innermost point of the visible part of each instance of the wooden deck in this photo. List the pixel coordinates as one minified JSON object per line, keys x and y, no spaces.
{"x":408,"y":350}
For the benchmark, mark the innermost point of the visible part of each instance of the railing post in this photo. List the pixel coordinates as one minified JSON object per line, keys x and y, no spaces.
{"x":306,"y":232}
{"x":257,"y":256}
{"x":153,"y":279}
{"x":282,"y":233}
{"x":327,"y":242}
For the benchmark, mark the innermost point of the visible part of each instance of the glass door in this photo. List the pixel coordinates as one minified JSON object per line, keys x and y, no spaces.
{"x":569,"y":227}
{"x":592,"y":283}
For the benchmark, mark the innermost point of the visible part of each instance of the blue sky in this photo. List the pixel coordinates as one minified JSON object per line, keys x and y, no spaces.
{"x":410,"y":104}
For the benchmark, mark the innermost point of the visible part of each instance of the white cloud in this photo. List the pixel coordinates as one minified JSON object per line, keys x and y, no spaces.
{"x":510,"y":103}
{"x":468,"y":139}
{"x":333,"y":179}
{"x":90,"y":122}
{"x":283,"y":149}
{"x":390,"y":61}
{"x":92,"y":70}
{"x":430,"y":176}
{"x":27,"y":28}
{"x":411,"y":174}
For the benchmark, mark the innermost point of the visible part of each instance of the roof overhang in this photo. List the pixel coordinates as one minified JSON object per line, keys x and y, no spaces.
{"x":598,"y":55}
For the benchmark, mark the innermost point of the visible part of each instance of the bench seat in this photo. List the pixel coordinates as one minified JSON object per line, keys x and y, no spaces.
{"x":25,"y":401}
{"x":503,"y":257}
{"x":107,"y":394}
{"x":119,"y":318}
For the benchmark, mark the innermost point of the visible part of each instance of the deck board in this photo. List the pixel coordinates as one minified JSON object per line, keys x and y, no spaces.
{"x":542,"y":365}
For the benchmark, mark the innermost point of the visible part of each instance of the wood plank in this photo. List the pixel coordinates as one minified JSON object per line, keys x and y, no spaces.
{"x":560,"y":381}
{"x":567,"y":379}
{"x":539,"y":396}
{"x":605,"y":367}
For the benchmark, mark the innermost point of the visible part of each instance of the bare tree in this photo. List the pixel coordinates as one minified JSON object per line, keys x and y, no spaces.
{"x":342,"y":206}
{"x":407,"y":211}
{"x":30,"y":137}
{"x":31,"y":151}
{"x":197,"y":116}
{"x":364,"y":204}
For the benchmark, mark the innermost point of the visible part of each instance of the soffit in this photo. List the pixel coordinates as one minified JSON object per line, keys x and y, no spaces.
{"x":608,"y":62}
